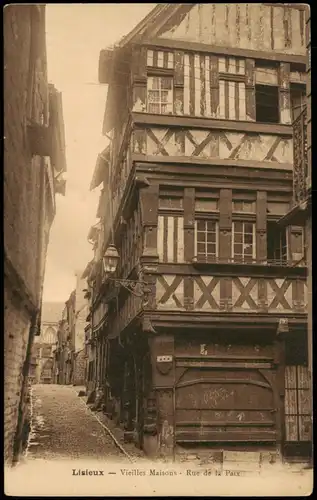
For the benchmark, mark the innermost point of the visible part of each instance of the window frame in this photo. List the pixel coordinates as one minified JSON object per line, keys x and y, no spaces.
{"x":282,"y":260}
{"x":243,"y":222}
{"x":160,"y":102}
{"x":207,"y":258}
{"x":300,"y":88}
{"x":257,"y":91}
{"x":298,"y":415}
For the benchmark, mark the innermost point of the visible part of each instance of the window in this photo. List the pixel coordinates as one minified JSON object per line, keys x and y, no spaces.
{"x":243,"y":241}
{"x":277,"y":207}
{"x":267,"y":103}
{"x":170,"y":203}
{"x":206,"y":232}
{"x":46,"y":352}
{"x":297,"y":404}
{"x":298,"y":424}
{"x":206,"y":205}
{"x":298,"y":99}
{"x":276,"y":243}
{"x":160,"y":94}
{"x":243,"y":206}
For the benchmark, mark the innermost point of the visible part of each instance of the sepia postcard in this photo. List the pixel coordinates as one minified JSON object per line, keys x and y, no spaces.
{"x":158,"y":250}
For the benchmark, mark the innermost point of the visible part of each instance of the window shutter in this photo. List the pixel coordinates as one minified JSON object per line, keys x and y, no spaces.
{"x":296,"y":243}
{"x":189,"y":243}
{"x":149,"y":197}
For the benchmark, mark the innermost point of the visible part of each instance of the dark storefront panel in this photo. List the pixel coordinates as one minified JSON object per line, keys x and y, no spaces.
{"x":224,"y":405}
{"x":225,"y":393}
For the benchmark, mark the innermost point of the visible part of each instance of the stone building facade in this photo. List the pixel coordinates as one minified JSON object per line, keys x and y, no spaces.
{"x":34,"y":154}
{"x":70,"y":355}
{"x":42,"y":369}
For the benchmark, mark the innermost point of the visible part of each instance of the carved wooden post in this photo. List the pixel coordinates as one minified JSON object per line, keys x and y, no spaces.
{"x":225,"y":235}
{"x":179,"y":83}
{"x":261,"y":236}
{"x":189,"y":243}
{"x":284,"y":93}
{"x":162,"y":353}
{"x":250,"y":90}
{"x":149,"y":197}
{"x":225,"y":224}
{"x":214,"y":85}
{"x":149,"y":201}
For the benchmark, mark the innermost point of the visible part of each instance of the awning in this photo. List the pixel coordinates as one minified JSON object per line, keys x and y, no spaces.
{"x":56,"y":123}
{"x":87,"y":270}
{"x":93,"y":232}
{"x":101,"y":172}
{"x":102,"y":199}
{"x":100,"y":317}
{"x":297,"y":216}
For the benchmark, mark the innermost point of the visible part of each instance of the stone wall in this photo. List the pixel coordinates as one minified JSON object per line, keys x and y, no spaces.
{"x":25,"y":244}
{"x":79,"y":368}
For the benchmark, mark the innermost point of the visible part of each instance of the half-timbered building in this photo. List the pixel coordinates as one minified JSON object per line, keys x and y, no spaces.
{"x":200,"y":102}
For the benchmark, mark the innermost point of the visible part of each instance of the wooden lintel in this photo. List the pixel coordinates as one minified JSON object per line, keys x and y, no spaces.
{"x":233,"y":269}
{"x":255,"y":322}
{"x":232,"y":77}
{"x":166,"y":176}
{"x":178,"y":121}
{"x":219,"y":364}
{"x":190,"y":160}
{"x":227,"y":51}
{"x":154,"y":168}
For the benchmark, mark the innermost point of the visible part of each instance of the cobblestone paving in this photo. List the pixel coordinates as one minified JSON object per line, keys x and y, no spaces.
{"x":63,"y":427}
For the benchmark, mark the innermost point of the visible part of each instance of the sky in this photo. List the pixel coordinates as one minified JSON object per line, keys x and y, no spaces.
{"x":75,"y":34}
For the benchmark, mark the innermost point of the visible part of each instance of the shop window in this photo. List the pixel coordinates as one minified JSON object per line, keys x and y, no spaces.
{"x":267,"y":103}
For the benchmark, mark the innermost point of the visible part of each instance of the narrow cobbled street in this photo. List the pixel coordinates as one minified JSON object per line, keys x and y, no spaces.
{"x":64,"y":427}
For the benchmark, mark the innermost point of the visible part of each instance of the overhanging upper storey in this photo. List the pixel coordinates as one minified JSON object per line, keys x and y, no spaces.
{"x":241,"y":62}
{"x":271,"y":28}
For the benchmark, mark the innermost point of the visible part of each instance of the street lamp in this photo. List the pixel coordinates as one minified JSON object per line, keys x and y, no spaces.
{"x":110,"y":259}
{"x":110,"y":262}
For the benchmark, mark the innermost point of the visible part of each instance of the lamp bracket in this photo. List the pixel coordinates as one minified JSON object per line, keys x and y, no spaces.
{"x":136,"y":287}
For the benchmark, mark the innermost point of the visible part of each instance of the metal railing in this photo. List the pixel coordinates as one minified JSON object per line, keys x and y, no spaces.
{"x":200,"y":259}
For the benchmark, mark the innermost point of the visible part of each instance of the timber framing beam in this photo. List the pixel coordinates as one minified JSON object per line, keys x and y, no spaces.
{"x":173,"y":176}
{"x":186,"y":321}
{"x":232,"y":269}
{"x":159,"y":43}
{"x":178,"y":121}
{"x":189,"y":160}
